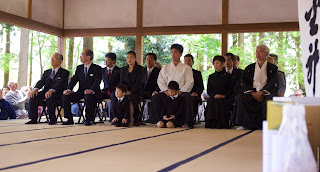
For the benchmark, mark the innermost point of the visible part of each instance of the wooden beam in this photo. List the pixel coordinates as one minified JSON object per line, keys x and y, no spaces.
{"x":225,"y":22}
{"x":139,"y":36}
{"x":29,"y":11}
{"x":197,"y":29}
{"x":224,"y":45}
{"x":139,"y":48}
{"x":100,"y":32}
{"x":63,"y":13}
{"x":29,"y":24}
{"x":139,"y":13}
{"x":225,"y":12}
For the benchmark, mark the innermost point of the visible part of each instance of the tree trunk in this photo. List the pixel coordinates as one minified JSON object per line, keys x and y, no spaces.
{"x":7,"y":52}
{"x":40,"y":55}
{"x":23,"y":58}
{"x":88,"y":43}
{"x":110,"y":47}
{"x":70,"y":55}
{"x":261,"y":37}
{"x":30,"y":59}
{"x":298,"y":59}
{"x":280,"y":48}
{"x":234,"y":40}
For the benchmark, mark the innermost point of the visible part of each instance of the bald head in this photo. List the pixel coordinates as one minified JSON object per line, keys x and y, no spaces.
{"x":262,"y":52}
{"x":56,"y":60}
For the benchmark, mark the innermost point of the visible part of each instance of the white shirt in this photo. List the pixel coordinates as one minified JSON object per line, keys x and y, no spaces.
{"x":260,"y":76}
{"x":174,"y":97}
{"x":120,"y":99}
{"x":181,"y":73}
{"x":111,"y":69}
{"x":88,"y":66}
{"x":56,"y":70}
{"x":230,"y":71}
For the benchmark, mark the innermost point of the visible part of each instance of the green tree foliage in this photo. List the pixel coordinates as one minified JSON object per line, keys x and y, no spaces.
{"x":160,"y":45}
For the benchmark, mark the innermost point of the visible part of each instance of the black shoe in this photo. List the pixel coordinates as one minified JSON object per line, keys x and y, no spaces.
{"x":87,"y":123}
{"x":69,"y":122}
{"x":52,"y":122}
{"x":32,"y":122}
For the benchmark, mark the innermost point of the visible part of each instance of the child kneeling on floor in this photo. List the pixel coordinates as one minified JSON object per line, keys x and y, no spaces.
{"x":172,"y":109}
{"x":120,"y":109}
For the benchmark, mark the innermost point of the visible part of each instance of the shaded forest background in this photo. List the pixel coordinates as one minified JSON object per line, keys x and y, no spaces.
{"x":16,"y":42}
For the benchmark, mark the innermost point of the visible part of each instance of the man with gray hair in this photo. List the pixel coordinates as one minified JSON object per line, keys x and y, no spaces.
{"x":52,"y":83}
{"x":260,"y":83}
{"x":17,"y":99}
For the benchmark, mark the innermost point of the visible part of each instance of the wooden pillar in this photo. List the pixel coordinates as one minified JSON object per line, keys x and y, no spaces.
{"x":225,"y":21}
{"x":29,"y":9}
{"x":23,"y":58}
{"x":224,"y":43}
{"x":139,"y":36}
{"x":62,"y":50}
{"x":139,"y":48}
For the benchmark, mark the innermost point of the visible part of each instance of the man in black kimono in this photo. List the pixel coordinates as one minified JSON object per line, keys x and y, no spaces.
{"x":89,"y":77}
{"x":54,"y":81}
{"x":260,"y":83}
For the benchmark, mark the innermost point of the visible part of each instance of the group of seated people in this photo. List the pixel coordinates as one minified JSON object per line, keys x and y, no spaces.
{"x":237,"y":97}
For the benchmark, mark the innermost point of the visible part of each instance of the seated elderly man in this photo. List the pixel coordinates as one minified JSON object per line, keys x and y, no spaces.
{"x":6,"y":110}
{"x":260,"y":83}
{"x":49,"y":88}
{"x":17,"y":99}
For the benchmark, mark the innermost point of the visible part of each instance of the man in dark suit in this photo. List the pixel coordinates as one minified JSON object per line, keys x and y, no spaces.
{"x":150,"y":76}
{"x":236,"y":62}
{"x":235,"y":73}
{"x":260,"y":82}
{"x":89,"y":77}
{"x":110,"y":75}
{"x":54,"y":81}
{"x":198,"y":87}
{"x":273,"y":58}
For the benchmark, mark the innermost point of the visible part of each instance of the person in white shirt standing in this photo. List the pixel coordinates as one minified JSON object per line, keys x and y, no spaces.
{"x":183,"y":75}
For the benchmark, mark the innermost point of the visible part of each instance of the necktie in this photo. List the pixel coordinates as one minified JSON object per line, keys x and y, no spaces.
{"x":85,"y":71}
{"x":109,"y":74}
{"x":148,"y":74}
{"x":52,"y":74}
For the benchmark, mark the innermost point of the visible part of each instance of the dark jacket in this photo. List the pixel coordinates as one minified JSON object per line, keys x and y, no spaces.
{"x":121,"y":109}
{"x":59,"y":83}
{"x":150,"y":85}
{"x":272,"y":81}
{"x":173,"y":107}
{"x":91,"y":81}
{"x":236,"y":81}
{"x":198,"y":82}
{"x":132,"y":80}
{"x":220,"y":83}
{"x":114,"y":79}
{"x":6,"y":110}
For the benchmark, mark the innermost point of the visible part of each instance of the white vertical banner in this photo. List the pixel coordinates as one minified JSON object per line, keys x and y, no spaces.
{"x":309,"y":23}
